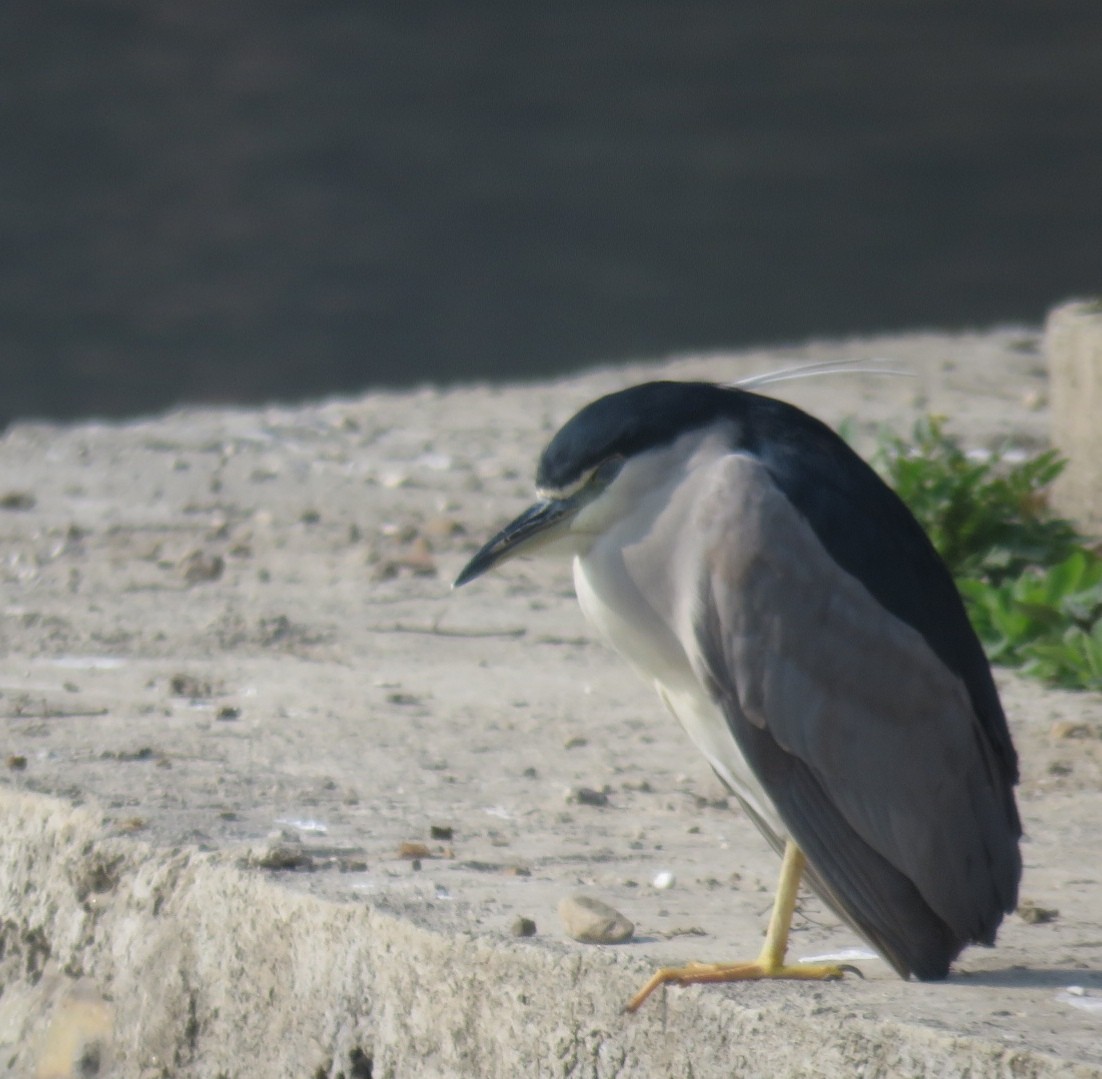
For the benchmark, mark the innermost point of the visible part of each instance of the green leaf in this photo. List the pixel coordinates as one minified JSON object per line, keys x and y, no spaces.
{"x":1030,"y":582}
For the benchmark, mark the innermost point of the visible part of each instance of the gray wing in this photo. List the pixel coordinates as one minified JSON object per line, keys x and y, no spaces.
{"x":866,"y":742}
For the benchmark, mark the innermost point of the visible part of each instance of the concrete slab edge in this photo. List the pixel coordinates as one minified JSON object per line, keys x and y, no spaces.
{"x":118,"y":959}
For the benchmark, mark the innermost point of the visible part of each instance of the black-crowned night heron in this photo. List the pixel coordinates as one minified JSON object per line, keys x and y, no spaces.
{"x":795,"y":618}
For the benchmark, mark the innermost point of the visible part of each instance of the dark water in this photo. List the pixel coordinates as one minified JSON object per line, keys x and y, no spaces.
{"x":225,"y":201}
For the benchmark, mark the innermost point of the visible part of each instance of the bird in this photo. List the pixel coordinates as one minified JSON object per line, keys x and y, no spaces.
{"x":795,"y":618}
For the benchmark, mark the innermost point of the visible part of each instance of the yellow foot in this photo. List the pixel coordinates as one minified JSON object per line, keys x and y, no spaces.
{"x":705,"y":973}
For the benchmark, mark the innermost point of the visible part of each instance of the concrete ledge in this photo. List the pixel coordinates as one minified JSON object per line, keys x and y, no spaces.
{"x":175,"y":964}
{"x":230,"y":632}
{"x":1073,"y":346}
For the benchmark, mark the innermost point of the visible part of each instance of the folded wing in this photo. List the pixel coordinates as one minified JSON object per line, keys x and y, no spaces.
{"x":866,"y":741}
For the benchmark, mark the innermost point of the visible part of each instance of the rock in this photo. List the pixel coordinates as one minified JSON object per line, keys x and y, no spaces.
{"x":17,"y":500}
{"x":586,"y":796}
{"x":442,"y":528}
{"x":1032,"y":914}
{"x":187,"y":685}
{"x":591,"y":921}
{"x":282,"y":856}
{"x":200,"y":566}
{"x":523,"y":927}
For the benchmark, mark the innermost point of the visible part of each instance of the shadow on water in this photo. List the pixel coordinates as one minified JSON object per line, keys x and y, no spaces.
{"x":229,"y":202}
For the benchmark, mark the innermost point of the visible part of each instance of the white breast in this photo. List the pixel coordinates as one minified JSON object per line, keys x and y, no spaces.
{"x":625,"y":588}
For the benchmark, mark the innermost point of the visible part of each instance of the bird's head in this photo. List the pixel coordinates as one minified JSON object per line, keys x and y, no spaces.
{"x":600,"y":463}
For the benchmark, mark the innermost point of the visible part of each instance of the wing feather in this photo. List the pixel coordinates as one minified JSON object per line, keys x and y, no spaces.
{"x":866,"y":741}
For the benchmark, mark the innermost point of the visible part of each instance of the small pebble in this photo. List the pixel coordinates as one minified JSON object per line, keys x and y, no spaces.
{"x":200,"y":566}
{"x":187,"y":685}
{"x":718,"y":802}
{"x":442,"y":528}
{"x":684,"y":931}
{"x":17,"y":500}
{"x":586,"y":796}
{"x":523,"y":927}
{"x":664,"y":880}
{"x":283,"y":856}
{"x":590,"y":921}
{"x":1032,"y":914}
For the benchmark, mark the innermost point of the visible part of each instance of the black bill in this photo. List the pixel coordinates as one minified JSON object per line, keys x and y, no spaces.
{"x":537,"y":525}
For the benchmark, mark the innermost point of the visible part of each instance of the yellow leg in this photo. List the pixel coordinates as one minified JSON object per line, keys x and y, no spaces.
{"x":770,"y":963}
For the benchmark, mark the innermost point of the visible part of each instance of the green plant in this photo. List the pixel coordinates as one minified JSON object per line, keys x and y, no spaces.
{"x":988,"y":517}
{"x":1048,"y":622}
{"x":1032,"y":585}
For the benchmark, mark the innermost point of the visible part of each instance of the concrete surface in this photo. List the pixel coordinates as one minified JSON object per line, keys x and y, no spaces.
{"x":236,"y":689}
{"x":1073,"y":347}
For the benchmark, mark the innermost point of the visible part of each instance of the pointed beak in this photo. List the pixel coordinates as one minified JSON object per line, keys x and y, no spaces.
{"x":538,"y":525}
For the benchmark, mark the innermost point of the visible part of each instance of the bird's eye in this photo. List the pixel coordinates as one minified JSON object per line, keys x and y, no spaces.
{"x":606,"y":471}
{"x":592,"y":479}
